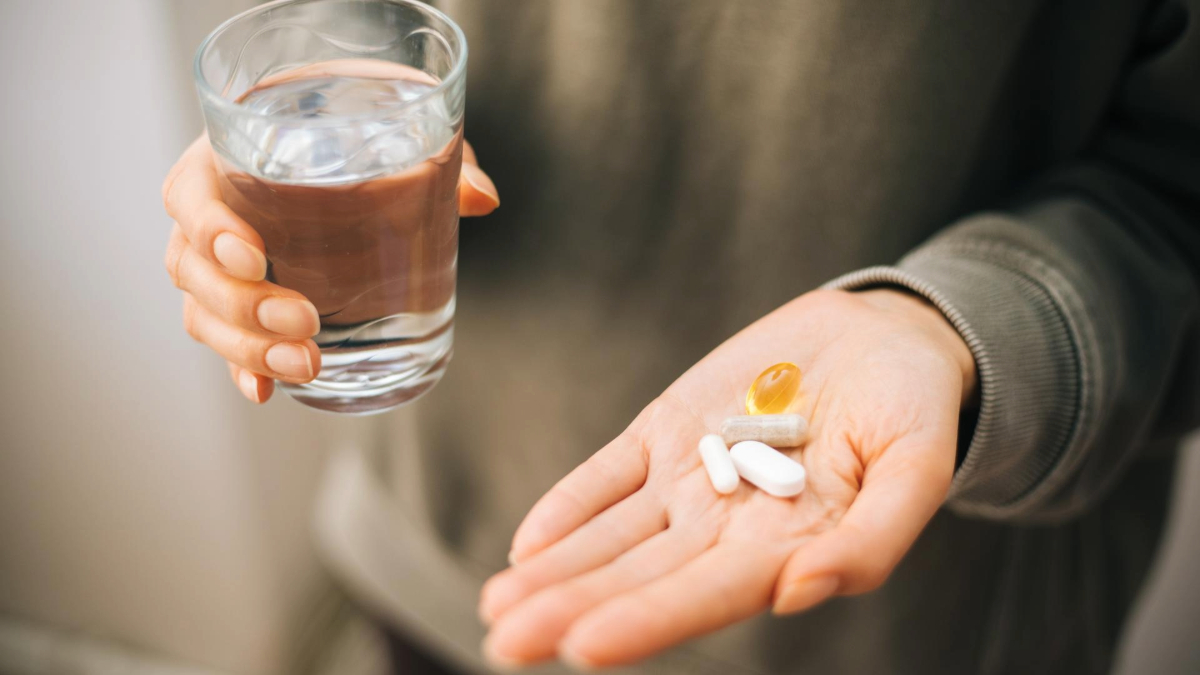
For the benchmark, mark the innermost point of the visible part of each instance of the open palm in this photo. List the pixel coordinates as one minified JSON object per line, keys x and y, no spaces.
{"x":634,"y":551}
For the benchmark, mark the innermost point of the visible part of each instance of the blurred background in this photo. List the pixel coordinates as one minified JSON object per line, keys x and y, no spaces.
{"x":151,"y":520}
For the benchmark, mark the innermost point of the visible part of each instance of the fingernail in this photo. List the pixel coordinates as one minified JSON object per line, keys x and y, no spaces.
{"x":512,"y":558}
{"x":239,"y":258}
{"x":249,"y":385}
{"x":805,"y":593}
{"x":574,"y":659}
{"x":290,"y":360}
{"x":289,"y":317}
{"x":481,"y":182}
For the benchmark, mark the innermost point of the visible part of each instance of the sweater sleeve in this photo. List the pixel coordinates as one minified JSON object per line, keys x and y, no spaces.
{"x":1079,"y":318}
{"x":1081,"y":304}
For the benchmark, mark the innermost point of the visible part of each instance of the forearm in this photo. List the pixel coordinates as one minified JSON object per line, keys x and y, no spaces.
{"x":1076,"y":309}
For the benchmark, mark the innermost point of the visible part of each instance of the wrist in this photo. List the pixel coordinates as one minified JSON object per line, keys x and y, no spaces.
{"x":923,"y":313}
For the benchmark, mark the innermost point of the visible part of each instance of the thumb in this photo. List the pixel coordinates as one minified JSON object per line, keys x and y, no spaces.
{"x":477,"y":195}
{"x":900,"y":493}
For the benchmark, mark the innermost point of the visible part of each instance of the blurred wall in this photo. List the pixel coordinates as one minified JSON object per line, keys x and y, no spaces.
{"x":141,"y":499}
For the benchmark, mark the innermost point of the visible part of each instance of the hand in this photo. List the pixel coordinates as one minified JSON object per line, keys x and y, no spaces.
{"x":634,"y":551}
{"x":219,"y":263}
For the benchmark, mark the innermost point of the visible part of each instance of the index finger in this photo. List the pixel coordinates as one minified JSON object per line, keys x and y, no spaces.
{"x":607,"y":477}
{"x":192,"y":197}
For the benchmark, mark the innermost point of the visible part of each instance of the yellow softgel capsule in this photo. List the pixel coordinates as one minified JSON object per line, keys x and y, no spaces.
{"x":775,"y":390}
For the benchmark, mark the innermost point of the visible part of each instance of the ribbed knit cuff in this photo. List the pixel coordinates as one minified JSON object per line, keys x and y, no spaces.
{"x":1028,"y":366}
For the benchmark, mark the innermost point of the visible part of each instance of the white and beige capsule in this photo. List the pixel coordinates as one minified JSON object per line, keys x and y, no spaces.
{"x":719,"y":465}
{"x":777,"y":431}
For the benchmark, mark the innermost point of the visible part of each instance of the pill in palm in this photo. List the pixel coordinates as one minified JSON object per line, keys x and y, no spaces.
{"x":775,"y":390}
{"x":718,"y":464}
{"x":777,"y":431}
{"x":768,"y":469}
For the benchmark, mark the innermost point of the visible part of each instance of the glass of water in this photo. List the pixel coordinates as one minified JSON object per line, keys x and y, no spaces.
{"x":337,"y":127}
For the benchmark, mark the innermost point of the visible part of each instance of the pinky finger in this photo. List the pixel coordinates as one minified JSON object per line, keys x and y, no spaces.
{"x":290,"y":361}
{"x":257,"y":388}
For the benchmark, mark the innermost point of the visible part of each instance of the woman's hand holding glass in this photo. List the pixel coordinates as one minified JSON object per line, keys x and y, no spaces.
{"x":219,"y":262}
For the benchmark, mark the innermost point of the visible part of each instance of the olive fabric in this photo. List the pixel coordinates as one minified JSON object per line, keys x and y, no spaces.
{"x":671,"y":170}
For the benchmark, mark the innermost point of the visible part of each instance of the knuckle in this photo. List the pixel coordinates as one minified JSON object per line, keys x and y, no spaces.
{"x":201,"y":217}
{"x":172,"y":261}
{"x":209,"y":212}
{"x":249,"y":351}
{"x":170,"y":193}
{"x":235,"y":308}
{"x":211,"y":217}
{"x":166,"y":187}
{"x":189,"y":319}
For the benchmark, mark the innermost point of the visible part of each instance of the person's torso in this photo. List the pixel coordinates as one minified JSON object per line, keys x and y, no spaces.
{"x":670,"y":171}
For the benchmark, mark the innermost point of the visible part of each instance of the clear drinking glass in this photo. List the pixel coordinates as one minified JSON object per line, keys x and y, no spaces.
{"x":337,"y":126}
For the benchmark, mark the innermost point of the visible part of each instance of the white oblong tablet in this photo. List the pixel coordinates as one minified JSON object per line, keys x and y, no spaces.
{"x":768,"y":469}
{"x":718,"y":464}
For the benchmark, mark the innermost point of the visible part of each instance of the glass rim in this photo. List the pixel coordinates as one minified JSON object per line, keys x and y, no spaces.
{"x":211,"y":96}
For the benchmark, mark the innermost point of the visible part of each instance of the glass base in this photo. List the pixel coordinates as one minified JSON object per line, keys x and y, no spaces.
{"x":374,"y":378}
